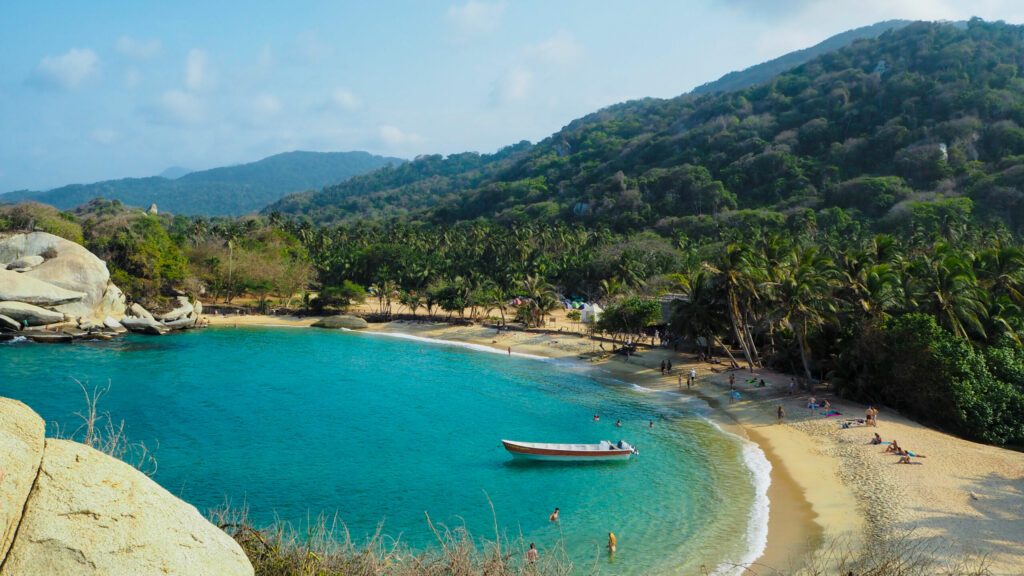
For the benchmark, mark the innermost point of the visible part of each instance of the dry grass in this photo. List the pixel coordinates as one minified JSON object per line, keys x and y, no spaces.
{"x":326,"y":549}
{"x":99,"y":431}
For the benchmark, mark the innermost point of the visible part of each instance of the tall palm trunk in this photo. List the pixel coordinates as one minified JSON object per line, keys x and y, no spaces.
{"x":802,"y":340}
{"x":734,"y":319}
{"x":750,"y":342}
{"x":718,"y":342}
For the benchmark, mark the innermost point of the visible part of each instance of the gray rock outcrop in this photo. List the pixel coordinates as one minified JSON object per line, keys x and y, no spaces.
{"x":25,"y":264}
{"x":138,"y":311}
{"x":24,"y":288}
{"x":145,"y":326}
{"x":36,"y":316}
{"x":66,"y":509}
{"x":9,"y":324}
{"x":341,"y":321}
{"x":69,"y":266}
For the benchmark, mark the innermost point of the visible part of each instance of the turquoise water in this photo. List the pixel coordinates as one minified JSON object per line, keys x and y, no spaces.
{"x":298,"y":421}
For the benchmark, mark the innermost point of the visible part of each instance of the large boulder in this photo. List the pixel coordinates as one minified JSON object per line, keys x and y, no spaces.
{"x":67,"y":265}
{"x":144,"y":325}
{"x":25,"y":264}
{"x":36,"y":316}
{"x":9,"y":324}
{"x":91,"y":514}
{"x":112,"y":304}
{"x":183,"y":310}
{"x":21,"y":451}
{"x":138,"y":311}
{"x":24,"y":288}
{"x":341,"y":321}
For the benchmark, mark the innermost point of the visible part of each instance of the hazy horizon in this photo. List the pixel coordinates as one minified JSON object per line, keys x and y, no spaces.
{"x":124,"y":90}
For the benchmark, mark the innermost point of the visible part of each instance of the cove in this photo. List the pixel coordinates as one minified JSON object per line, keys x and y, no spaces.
{"x":294,"y":422}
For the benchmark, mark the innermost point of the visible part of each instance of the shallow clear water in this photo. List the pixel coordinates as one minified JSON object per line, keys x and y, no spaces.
{"x":298,"y":421}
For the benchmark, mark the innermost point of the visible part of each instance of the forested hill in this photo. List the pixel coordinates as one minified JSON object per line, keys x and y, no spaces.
{"x":908,"y":125}
{"x":228,"y":191}
{"x":765,"y":71}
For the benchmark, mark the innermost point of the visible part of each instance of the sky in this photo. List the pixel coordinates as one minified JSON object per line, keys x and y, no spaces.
{"x":99,"y":90}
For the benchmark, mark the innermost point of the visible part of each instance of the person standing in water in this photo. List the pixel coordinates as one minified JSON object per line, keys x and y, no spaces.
{"x":531,"y":555}
{"x":611,"y":542}
{"x":509,"y":350}
{"x":554,"y":516}
{"x":781,"y":413}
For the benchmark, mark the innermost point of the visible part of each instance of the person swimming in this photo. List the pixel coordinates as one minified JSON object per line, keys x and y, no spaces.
{"x":554,"y":515}
{"x":611,"y":543}
{"x":597,"y":418}
{"x":618,"y":423}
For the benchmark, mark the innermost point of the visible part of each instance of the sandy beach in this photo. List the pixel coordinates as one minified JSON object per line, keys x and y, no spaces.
{"x":830,"y":487}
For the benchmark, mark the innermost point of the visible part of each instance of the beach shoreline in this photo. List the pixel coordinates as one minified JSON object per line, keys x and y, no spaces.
{"x":829,"y":487}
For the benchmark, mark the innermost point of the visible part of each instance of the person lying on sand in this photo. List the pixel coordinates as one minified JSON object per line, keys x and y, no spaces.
{"x":906,"y":459}
{"x":894,"y":448}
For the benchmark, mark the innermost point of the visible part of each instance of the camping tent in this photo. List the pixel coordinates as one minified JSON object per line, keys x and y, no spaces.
{"x":591,"y":313}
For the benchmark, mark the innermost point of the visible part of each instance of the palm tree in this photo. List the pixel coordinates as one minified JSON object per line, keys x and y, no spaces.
{"x":702,"y":314}
{"x":946,"y":287}
{"x":804,"y":294}
{"x":738,"y":275}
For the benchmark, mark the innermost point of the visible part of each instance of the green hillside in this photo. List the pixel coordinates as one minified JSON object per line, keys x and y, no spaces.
{"x":765,"y":71}
{"x":232,"y":190}
{"x":922,"y":115}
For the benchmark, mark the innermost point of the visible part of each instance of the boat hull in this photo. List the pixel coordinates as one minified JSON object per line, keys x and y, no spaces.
{"x":524,"y":451}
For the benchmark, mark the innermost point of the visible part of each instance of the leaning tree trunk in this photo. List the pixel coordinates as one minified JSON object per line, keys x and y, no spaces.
{"x":717,"y":341}
{"x":750,"y":342}
{"x":733,"y":317}
{"x":802,"y":340}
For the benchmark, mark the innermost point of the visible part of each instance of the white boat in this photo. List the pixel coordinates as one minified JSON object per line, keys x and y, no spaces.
{"x":606,"y":450}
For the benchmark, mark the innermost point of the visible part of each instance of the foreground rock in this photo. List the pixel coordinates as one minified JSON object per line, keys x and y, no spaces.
{"x":184,"y":310}
{"x":341,"y":321}
{"x":22,"y":288}
{"x":66,"y":509}
{"x":36,"y":316}
{"x":21,"y":451}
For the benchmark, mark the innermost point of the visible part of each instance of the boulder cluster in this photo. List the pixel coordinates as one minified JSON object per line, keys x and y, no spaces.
{"x":54,"y":290}
{"x":67,"y":509}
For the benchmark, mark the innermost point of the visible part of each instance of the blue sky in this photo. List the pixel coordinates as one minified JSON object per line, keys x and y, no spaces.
{"x":96,"y":90}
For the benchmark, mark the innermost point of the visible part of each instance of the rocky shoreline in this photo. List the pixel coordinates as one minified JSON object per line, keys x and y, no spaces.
{"x":53,"y":290}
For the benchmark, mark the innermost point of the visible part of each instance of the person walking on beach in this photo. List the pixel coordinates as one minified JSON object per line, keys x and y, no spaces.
{"x":663,"y":367}
{"x":611,"y":543}
{"x":668,"y":366}
{"x":680,"y":381}
{"x":554,"y":515}
{"x":781,"y":412}
{"x":732,"y":381}
{"x":531,"y":555}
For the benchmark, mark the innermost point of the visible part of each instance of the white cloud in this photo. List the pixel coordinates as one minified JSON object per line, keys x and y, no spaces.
{"x":139,"y":49}
{"x":344,"y":99}
{"x":132,"y":77}
{"x":513,"y":86}
{"x":394,"y":136}
{"x":68,"y":70}
{"x":196,"y":76}
{"x":102,"y":135}
{"x":562,"y":48}
{"x":475,"y":18}
{"x":266,"y":105}
{"x":181,"y":107}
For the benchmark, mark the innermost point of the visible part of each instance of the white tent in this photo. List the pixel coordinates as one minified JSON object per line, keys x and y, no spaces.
{"x":591,"y":313}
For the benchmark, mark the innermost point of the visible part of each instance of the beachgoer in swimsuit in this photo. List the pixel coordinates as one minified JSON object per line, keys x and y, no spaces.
{"x":732,"y":381}
{"x":618,"y":423}
{"x":554,"y":516}
{"x":876,"y":440}
{"x":531,"y":555}
{"x":781,"y":412}
{"x":596,"y":418}
{"x":611,"y":543}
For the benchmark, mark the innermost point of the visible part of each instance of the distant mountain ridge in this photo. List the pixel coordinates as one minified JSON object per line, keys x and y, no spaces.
{"x":765,"y":71}
{"x":227,"y":191}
